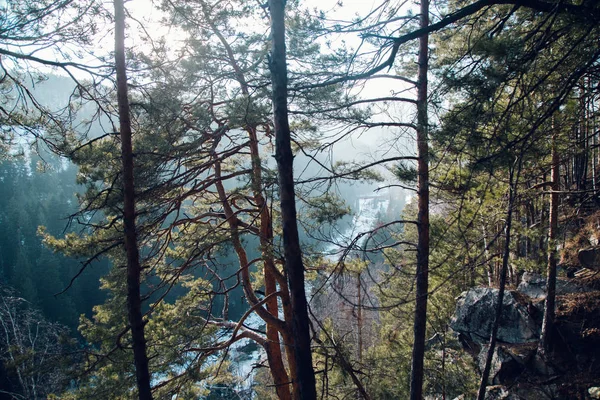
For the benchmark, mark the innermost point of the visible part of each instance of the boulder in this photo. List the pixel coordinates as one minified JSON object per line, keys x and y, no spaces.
{"x":533,"y":285}
{"x":474,"y":316}
{"x":590,"y":258}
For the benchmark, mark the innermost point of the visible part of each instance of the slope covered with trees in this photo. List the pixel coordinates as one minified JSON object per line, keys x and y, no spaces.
{"x":32,"y":198}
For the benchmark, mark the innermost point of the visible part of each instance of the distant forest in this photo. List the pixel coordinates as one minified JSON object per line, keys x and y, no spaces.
{"x":42,"y":192}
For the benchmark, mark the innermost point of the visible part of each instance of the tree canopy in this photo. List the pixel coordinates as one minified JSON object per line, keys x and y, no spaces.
{"x":312,"y":187}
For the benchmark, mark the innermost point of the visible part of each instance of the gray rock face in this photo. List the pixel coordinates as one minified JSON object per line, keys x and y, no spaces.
{"x":590,"y":258}
{"x":475,"y":311}
{"x":534,"y":286}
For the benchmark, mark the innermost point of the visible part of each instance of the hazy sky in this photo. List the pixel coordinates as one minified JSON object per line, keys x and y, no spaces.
{"x":348,"y":10}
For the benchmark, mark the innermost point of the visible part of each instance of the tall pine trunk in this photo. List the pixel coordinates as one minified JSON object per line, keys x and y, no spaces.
{"x":512,"y":192}
{"x":134,"y":301}
{"x":548,"y":322}
{"x":294,"y":267}
{"x":422,"y":278}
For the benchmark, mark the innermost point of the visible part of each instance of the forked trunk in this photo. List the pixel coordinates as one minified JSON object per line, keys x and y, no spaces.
{"x":275,"y":357}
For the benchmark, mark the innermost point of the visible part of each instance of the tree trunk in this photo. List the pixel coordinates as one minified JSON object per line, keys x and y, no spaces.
{"x":505,"y":259}
{"x":422,"y":278}
{"x":278,"y":372}
{"x":270,"y":315}
{"x":359,"y":319}
{"x":271,"y":274}
{"x":291,"y":242}
{"x":591,"y":116}
{"x":134,"y":301}
{"x":548,"y":322}
{"x":486,"y":250}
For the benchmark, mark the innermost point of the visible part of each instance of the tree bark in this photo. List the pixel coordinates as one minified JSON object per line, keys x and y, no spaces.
{"x":134,"y":269}
{"x":548,"y":322}
{"x":271,"y":274}
{"x":359,"y":319}
{"x":288,"y":339}
{"x":422,"y":278}
{"x":278,"y":372}
{"x":503,"y":272}
{"x":283,"y":154}
{"x":270,"y":315}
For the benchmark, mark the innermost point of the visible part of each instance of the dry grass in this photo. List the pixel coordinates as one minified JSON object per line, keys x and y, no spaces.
{"x":587,"y":234}
{"x":576,"y":305}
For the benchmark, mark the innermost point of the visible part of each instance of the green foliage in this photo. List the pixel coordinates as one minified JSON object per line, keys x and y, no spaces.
{"x":510,"y":77}
{"x":406,"y":173}
{"x":177,"y":337}
{"x":327,"y":208}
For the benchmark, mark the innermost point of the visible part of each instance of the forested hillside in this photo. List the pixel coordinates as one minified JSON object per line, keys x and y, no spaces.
{"x":32,"y":198}
{"x":299,"y":200}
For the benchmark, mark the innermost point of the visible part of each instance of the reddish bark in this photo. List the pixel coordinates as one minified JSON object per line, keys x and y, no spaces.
{"x":275,"y":357}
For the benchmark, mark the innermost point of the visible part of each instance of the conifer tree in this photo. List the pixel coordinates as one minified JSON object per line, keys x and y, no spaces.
{"x":134,"y":268}
{"x":422,"y":278}
{"x":285,"y":168}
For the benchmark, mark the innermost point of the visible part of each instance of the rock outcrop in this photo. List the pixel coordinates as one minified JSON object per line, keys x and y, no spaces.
{"x":533,"y":285}
{"x":517,"y":372}
{"x":499,"y":392}
{"x":590,"y":258}
{"x":475,"y":315}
